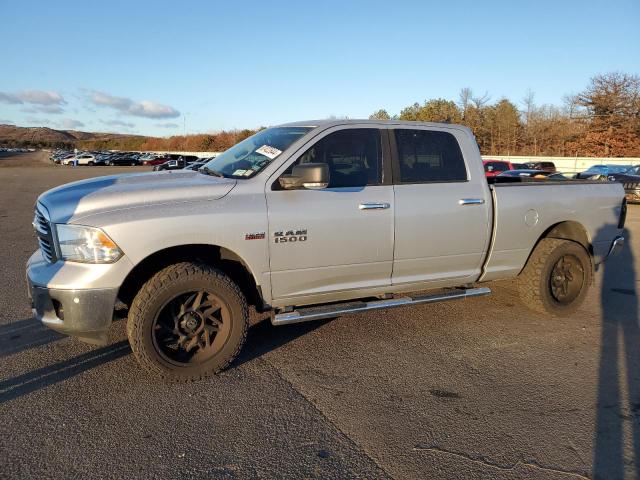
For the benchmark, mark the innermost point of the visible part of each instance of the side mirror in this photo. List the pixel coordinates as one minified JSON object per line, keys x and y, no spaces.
{"x":313,"y":176}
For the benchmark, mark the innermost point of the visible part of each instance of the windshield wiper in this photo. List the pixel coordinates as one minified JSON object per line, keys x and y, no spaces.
{"x":209,"y":171}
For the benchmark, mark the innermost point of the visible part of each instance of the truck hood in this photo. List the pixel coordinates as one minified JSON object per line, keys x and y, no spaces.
{"x":73,"y":201}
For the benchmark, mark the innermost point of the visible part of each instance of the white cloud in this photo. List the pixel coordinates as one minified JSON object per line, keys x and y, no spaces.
{"x":37,"y":121}
{"x":71,"y":123}
{"x":9,"y":98}
{"x":42,"y":98}
{"x":106,"y":100}
{"x":56,"y":109}
{"x":167,"y":125}
{"x":118,"y":123}
{"x":36,"y":97}
{"x":128,"y":106}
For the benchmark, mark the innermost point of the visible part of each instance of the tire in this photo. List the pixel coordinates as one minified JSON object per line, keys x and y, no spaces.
{"x":171,"y":333}
{"x":556,"y":278}
{"x":90,"y":163}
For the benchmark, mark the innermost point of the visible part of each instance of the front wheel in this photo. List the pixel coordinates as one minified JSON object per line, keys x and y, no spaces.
{"x":556,"y":278}
{"x":187,"y":322}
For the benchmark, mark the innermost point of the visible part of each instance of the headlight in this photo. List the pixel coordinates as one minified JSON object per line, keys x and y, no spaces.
{"x":86,"y":245}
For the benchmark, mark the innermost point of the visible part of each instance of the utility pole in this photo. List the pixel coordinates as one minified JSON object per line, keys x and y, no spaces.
{"x":184,"y":131}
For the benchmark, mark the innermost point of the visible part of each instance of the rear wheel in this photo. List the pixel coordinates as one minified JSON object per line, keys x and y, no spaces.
{"x":556,"y":278}
{"x":90,"y":163}
{"x":187,"y":322}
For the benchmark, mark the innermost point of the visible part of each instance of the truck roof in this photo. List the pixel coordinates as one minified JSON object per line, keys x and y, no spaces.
{"x":335,"y":122}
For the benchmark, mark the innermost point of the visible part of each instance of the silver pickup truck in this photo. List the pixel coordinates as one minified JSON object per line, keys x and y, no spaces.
{"x":306,"y":221}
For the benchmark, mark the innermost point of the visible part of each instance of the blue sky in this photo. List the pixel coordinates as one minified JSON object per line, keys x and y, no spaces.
{"x":152,"y":67}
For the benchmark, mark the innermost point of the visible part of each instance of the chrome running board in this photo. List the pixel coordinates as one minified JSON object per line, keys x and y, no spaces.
{"x":330,"y":311}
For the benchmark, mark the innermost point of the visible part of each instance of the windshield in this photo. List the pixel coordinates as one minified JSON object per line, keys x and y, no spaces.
{"x":250,"y":156}
{"x":618,"y":168}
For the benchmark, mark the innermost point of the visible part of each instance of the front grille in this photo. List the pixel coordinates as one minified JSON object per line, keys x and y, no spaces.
{"x":45,"y":237}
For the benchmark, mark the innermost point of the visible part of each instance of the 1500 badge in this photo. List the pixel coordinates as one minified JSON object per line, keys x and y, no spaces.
{"x":290,"y":236}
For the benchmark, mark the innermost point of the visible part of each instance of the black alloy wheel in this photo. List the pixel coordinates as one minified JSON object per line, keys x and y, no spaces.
{"x":191,"y":328}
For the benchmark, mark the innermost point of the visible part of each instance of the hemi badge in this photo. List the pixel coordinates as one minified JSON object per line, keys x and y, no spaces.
{"x":254,"y":236}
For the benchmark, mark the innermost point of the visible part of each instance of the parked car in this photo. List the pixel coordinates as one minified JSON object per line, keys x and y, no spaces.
{"x":533,"y":174}
{"x":519,"y":166}
{"x":123,"y":159}
{"x":494,"y":167}
{"x":58,"y":155}
{"x":545,"y":166}
{"x":634,"y":170}
{"x":176,"y":163}
{"x":630,"y":179}
{"x":145,"y":157}
{"x":596,"y":171}
{"x":102,"y":158}
{"x":298,"y":221}
{"x":195,"y":165}
{"x":79,"y":159}
{"x":62,"y":159}
{"x":155,"y":161}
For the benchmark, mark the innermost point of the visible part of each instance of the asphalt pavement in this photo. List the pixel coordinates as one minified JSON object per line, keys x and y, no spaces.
{"x":480,"y":388}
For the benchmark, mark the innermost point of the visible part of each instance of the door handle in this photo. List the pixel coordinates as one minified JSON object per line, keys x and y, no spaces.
{"x":373,"y":206}
{"x":470,"y":201}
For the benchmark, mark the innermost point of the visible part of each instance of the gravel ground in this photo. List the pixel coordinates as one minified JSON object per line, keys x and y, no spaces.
{"x":481,"y":388}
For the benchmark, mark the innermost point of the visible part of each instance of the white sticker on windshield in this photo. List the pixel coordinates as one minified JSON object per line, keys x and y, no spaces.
{"x":239,"y":173}
{"x":268,"y":151}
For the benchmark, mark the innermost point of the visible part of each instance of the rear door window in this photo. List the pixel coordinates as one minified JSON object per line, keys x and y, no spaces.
{"x":428,"y":156}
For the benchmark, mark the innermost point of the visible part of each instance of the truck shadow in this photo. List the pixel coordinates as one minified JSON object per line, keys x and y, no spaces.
{"x":40,"y":378}
{"x":264,"y":338}
{"x":23,"y":335}
{"x":261,"y":339}
{"x":618,"y":400}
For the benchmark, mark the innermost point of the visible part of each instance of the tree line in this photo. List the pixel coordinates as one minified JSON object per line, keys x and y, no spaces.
{"x":603,"y":120}
{"x":204,"y":142}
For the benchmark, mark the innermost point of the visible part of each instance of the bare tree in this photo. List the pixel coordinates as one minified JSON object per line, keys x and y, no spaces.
{"x":465,"y":96}
{"x":529,"y":103}
{"x":480,"y":102}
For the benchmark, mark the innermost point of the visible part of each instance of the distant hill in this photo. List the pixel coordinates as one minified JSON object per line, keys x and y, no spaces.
{"x":42,"y":137}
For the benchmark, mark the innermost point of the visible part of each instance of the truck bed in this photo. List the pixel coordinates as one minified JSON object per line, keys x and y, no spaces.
{"x":525,"y":210}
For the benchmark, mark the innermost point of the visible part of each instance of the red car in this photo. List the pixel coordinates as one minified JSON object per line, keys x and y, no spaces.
{"x":155,"y":161}
{"x":495,"y":167}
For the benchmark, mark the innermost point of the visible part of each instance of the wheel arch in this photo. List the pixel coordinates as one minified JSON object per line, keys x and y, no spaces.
{"x":569,"y":230}
{"x":566,"y":230}
{"x":217,"y":256}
